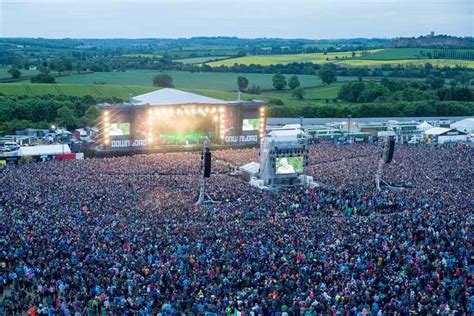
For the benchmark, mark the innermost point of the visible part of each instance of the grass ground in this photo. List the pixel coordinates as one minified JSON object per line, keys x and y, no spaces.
{"x":200,"y":60}
{"x":374,"y":58}
{"x":182,"y":79}
{"x":73,"y":89}
{"x":316,"y":58}
{"x":322,"y":92}
{"x":24,"y":73}
{"x":416,"y":62}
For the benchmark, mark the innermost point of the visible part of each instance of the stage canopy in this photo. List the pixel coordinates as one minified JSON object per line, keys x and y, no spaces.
{"x":168,"y":96}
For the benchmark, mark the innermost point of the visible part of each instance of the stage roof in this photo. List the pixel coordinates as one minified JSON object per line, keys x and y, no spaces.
{"x":168,"y":96}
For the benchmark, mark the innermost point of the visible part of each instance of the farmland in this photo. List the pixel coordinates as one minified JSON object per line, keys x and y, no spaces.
{"x":73,"y":89}
{"x":24,"y":73}
{"x":200,"y":60}
{"x":370,"y":58}
{"x":265,"y":60}
{"x":181,"y":79}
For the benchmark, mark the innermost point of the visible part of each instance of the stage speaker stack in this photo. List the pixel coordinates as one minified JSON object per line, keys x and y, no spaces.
{"x":390,"y":149}
{"x":207,"y":163}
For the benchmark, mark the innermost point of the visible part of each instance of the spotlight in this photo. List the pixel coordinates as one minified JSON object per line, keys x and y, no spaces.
{"x":221,"y":109}
{"x":215,"y":118}
{"x":213,"y":110}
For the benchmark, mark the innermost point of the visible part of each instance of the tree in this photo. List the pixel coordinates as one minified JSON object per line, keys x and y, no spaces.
{"x":242,"y":83}
{"x":434,"y":82}
{"x":298,"y":93}
{"x":14,"y":72}
{"x":327,"y":75}
{"x":43,"y":78}
{"x":279,"y":81}
{"x":66,"y":117}
{"x":58,"y":65}
{"x":293,"y":83}
{"x":254,"y":89}
{"x":91,"y":115}
{"x":163,"y":80}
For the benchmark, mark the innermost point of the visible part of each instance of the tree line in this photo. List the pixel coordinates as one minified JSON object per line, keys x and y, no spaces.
{"x":391,"y":90}
{"x":376,"y":109}
{"x":24,"y":111}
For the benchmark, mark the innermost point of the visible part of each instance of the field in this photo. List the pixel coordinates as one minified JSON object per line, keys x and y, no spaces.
{"x":72,"y":89}
{"x":200,"y":60}
{"x":415,"y":62}
{"x":24,"y":73}
{"x":373,"y":58}
{"x":122,"y":91}
{"x":182,"y":79}
{"x":265,"y":60}
{"x":398,"y":53}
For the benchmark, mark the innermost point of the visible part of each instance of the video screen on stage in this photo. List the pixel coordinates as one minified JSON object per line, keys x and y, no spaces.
{"x":288,"y":165}
{"x":119,"y":129}
{"x":250,"y":125}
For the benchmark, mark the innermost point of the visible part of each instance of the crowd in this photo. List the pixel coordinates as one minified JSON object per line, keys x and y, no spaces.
{"x":122,"y":235}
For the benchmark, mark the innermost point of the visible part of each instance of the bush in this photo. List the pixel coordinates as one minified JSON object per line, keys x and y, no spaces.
{"x":254,"y":89}
{"x":298,"y":93}
{"x":43,"y":78}
{"x":163,"y":80}
{"x":276,"y":102}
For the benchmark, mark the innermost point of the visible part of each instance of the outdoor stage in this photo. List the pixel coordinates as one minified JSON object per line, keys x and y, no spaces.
{"x":174,"y":120}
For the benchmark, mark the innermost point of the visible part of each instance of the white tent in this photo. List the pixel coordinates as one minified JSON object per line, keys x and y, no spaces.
{"x":44,"y":150}
{"x":435,"y":131}
{"x":466,"y":125}
{"x":424,"y":126}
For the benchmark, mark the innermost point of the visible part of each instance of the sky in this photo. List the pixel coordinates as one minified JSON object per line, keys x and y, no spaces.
{"x":312,"y":19}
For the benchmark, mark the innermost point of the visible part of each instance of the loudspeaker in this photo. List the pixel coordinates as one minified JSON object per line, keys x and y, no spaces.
{"x":391,"y":149}
{"x":207,"y":163}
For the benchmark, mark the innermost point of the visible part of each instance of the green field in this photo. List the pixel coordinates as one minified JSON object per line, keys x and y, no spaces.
{"x":72,"y":89}
{"x":200,"y":60}
{"x":404,"y":53}
{"x":24,"y":73}
{"x":265,"y":60}
{"x":182,"y":79}
{"x":373,"y":58}
{"x":414,"y":62}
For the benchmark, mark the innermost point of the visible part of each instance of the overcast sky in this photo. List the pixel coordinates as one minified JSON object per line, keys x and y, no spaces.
{"x":315,"y":19}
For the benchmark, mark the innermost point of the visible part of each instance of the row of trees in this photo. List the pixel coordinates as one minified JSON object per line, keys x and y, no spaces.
{"x":400,"y":90}
{"x":17,"y":112}
{"x":376,"y":109}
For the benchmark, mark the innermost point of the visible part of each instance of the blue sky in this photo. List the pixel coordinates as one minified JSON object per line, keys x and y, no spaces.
{"x":313,"y":19}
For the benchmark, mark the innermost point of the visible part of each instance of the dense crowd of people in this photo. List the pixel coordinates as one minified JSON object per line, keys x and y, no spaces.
{"x":122,"y":235}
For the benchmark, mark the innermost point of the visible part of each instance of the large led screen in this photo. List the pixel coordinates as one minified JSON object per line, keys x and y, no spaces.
{"x":289,"y":165}
{"x":250,"y":125}
{"x":119,"y":129}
